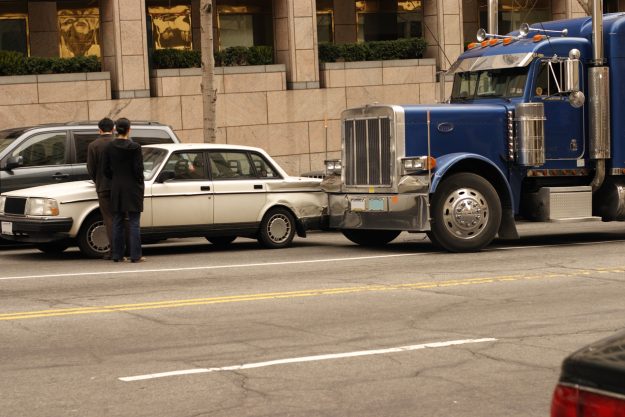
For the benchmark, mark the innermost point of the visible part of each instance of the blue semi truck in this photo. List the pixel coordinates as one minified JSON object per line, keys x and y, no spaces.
{"x":534,"y":130}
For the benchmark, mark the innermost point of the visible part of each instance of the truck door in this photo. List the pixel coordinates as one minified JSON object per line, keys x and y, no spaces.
{"x":564,"y":127}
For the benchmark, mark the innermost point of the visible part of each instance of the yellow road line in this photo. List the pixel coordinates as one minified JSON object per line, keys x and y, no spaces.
{"x":294,"y":294}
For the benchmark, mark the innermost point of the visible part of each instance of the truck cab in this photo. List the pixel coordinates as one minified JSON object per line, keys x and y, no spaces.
{"x":530,"y":132}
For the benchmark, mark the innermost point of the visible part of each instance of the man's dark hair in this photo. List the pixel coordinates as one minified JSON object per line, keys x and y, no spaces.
{"x":122,"y":125}
{"x":106,"y":125}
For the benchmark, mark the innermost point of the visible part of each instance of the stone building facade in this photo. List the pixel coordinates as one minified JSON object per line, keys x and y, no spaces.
{"x":291,"y":108}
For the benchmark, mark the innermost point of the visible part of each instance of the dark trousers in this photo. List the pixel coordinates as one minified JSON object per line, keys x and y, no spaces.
{"x":134,"y":235}
{"x":104,"y":199}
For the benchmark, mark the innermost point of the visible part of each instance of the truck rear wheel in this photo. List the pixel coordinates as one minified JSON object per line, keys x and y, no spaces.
{"x":370,"y":237}
{"x":465,"y":212}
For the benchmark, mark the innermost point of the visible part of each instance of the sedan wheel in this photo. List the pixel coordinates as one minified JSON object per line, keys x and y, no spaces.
{"x":277,"y":229}
{"x":92,"y":238}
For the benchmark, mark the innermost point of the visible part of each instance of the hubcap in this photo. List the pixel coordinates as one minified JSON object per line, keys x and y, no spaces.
{"x":278,"y":228}
{"x":465,"y":213}
{"x":98,"y":240}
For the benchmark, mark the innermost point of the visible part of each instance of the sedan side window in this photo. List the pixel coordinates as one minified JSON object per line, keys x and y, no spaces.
{"x":43,"y":149}
{"x":187,"y":166}
{"x":263,"y":167}
{"x":230,"y":165}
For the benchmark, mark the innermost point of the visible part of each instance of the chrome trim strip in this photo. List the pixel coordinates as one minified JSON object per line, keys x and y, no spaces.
{"x":491,"y":62}
{"x":593,"y":390}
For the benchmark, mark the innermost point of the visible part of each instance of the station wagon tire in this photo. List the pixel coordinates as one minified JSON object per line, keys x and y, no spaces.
{"x":370,"y":238}
{"x":92,"y":239}
{"x":55,"y":247}
{"x":465,"y":213}
{"x":277,"y":229}
{"x":221,"y":241}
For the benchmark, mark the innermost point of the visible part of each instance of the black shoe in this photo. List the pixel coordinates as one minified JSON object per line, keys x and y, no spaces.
{"x":141,"y":259}
{"x":124,"y":259}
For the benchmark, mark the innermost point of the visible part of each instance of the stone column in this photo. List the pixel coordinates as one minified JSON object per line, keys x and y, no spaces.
{"x":345,"y":30}
{"x":124,"y":47}
{"x":295,"y":30}
{"x":43,"y":28}
{"x":443,"y":19}
{"x":470,"y":20}
{"x":566,"y":9}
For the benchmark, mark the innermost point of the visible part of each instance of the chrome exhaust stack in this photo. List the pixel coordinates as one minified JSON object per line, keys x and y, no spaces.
{"x":599,"y":89}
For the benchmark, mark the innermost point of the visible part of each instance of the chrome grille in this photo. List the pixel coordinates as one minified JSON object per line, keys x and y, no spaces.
{"x":368,"y":153}
{"x":15,"y":205}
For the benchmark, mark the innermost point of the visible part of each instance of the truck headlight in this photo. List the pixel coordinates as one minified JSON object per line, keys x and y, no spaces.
{"x":3,"y":199}
{"x":333,"y":166}
{"x":42,"y":207}
{"x":417,"y":164}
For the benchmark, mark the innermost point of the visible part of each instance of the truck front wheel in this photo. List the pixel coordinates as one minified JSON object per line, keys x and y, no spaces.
{"x":465,"y":212}
{"x":370,"y":237}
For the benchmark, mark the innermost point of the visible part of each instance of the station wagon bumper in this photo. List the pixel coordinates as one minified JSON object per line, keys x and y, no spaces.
{"x":34,"y":229}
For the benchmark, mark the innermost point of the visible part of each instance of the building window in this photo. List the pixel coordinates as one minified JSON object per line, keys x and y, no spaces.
{"x":14,"y":27}
{"x":388,"y":19}
{"x":79,"y":30}
{"x":610,"y":6}
{"x":325,"y":21}
{"x":170,"y":25}
{"x":513,"y":12}
{"x":244,"y":23}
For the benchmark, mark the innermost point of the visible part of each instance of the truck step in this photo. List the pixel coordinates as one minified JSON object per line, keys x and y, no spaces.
{"x":562,"y":204}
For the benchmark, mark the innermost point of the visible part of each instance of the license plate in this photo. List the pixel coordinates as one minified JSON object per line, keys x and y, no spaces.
{"x":376,"y":204}
{"x":7,"y":228}
{"x":357,"y":204}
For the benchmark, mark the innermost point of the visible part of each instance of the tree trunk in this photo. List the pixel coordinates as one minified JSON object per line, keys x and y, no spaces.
{"x":209,"y":94}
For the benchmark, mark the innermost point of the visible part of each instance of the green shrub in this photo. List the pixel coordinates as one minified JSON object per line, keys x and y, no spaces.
{"x":176,"y":58}
{"x":15,"y":63}
{"x":408,"y":48}
{"x":233,"y":56}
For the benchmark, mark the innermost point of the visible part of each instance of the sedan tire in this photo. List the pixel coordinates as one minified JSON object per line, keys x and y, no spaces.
{"x":92,"y":239}
{"x":277,"y":229}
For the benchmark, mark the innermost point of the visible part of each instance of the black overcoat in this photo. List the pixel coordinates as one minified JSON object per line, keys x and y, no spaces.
{"x":124,"y":166}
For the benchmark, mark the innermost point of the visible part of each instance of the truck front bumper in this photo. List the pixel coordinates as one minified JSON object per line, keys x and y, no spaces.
{"x":34,"y":229}
{"x":406,"y":212}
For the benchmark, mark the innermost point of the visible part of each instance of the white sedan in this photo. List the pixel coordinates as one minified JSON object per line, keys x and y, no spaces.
{"x":220,"y":192}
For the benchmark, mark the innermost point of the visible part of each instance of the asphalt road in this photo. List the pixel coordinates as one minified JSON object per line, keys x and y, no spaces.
{"x":325,"y":328}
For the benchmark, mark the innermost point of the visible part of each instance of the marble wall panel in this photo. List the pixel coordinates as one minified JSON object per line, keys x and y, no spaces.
{"x":97,"y":90}
{"x":131,"y":38}
{"x":13,"y":94}
{"x":244,"y":109}
{"x":261,"y":81}
{"x":62,"y":92}
{"x":306,"y":65}
{"x":305,"y":105}
{"x":303,"y":33}
{"x":134,"y":73}
{"x":192,"y":112}
{"x":161,"y":109}
{"x":324,"y":135}
{"x":129,"y":9}
{"x":363,"y":76}
{"x":190,"y":135}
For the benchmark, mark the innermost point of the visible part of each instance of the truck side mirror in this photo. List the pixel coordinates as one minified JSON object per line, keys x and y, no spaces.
{"x":14,"y":162}
{"x":571,"y":69}
{"x":572,"y":79}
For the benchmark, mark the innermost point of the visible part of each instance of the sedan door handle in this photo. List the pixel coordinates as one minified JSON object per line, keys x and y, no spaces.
{"x":258,"y":187}
{"x":59,"y":176}
{"x":205,"y":188}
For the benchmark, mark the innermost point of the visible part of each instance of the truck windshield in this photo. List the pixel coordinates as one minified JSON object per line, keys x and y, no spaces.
{"x":505,"y":83}
{"x":8,"y":136}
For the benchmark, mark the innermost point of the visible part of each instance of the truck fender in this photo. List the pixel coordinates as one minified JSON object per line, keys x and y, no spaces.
{"x":478,"y":164}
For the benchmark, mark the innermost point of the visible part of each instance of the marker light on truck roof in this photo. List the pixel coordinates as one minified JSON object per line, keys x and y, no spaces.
{"x":507,"y":41}
{"x":538,"y":38}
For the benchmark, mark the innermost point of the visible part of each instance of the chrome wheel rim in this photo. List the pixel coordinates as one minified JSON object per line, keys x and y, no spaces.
{"x":465,"y":213}
{"x":279,"y":228}
{"x":98,"y":240}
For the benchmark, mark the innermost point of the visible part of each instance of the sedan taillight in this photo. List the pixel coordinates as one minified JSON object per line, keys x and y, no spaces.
{"x":575,"y":402}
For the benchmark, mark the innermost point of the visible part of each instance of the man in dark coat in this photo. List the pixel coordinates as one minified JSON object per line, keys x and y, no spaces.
{"x":124,"y":166}
{"x":95,"y":167}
